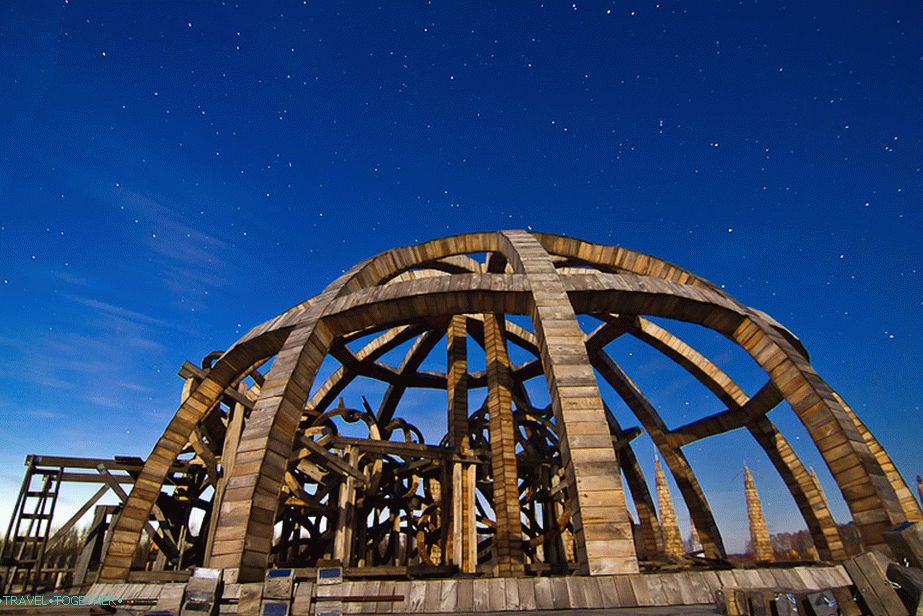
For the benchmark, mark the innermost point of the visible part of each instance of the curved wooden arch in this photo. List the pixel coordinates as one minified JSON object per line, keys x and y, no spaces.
{"x":741,"y":413}
{"x":302,"y":337}
{"x":258,"y":345}
{"x":696,"y":502}
{"x":810,"y":500}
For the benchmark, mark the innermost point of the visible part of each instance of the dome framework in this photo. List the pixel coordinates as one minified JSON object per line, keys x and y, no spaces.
{"x":511,"y":489}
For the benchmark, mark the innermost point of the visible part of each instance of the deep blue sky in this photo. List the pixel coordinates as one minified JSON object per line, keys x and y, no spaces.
{"x":174,"y":173}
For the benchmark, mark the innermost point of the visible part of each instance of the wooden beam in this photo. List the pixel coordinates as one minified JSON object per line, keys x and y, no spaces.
{"x":190,"y":371}
{"x":160,"y":538}
{"x":692,"y":493}
{"x":601,"y":522}
{"x":508,"y":536}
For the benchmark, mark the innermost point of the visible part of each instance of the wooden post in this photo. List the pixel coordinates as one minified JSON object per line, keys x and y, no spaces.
{"x":508,"y":537}
{"x":462,"y":541}
{"x":93,"y":548}
{"x":346,"y":510}
{"x":605,"y":544}
{"x":228,"y":458}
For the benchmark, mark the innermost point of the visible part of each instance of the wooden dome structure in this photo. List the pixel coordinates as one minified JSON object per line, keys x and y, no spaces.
{"x":511,"y":488}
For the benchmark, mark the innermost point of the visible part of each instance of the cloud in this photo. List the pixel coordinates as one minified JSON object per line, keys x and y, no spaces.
{"x":117,"y":311}
{"x":71,"y":279}
{"x":189,"y":258}
{"x":44,"y":414}
{"x":99,"y":360}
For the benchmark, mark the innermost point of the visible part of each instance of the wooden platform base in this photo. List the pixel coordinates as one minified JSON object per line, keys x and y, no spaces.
{"x":688,"y":588}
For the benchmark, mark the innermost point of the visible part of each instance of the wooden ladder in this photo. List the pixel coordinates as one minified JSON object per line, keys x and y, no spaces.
{"x":27,"y":536}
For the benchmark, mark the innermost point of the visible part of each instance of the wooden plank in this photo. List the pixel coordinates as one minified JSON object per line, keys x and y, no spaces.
{"x":352,"y":589}
{"x":845,"y":601}
{"x":625,"y":591}
{"x":170,"y":598}
{"x":906,"y":541}
{"x":807,"y":580}
{"x":570,"y":376}
{"x":385,"y":588}
{"x":401,"y":589}
{"x":594,"y":598}
{"x":672,"y":591}
{"x":526,"y":594}
{"x":496,"y":594}
{"x":465,"y":596}
{"x":502,"y":430}
{"x":703,"y":585}
{"x":576,"y":590}
{"x":448,"y":596}
{"x":750,"y":577}
{"x":726,"y":578}
{"x":278,"y":586}
{"x":560,"y":596}
{"x":641,"y":590}
{"x":868,"y":572}
{"x":733,"y":602}
{"x":839,"y":575}
{"x":543,"y":594}
{"x":713,"y":580}
{"x":684,"y":586}
{"x":433,"y":595}
{"x":372,"y":588}
{"x":511,"y":592}
{"x":301,"y":604}
{"x":608,"y":594}
{"x":481,"y":595}
{"x":659,"y":594}
{"x":416,"y":597}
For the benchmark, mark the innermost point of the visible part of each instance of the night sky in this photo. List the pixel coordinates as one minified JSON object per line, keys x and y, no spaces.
{"x":174,"y":173}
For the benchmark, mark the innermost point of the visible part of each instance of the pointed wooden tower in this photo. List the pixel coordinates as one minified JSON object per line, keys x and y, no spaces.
{"x":672,"y":541}
{"x":696,"y":543}
{"x":759,"y":533}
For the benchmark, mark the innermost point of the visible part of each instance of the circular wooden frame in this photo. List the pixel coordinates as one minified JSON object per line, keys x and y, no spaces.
{"x":437,"y":289}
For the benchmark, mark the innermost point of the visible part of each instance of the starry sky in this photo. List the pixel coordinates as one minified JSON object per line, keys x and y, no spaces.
{"x":172,"y":174}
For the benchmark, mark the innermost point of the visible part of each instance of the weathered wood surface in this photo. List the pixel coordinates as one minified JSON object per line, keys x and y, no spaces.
{"x":906,"y":542}
{"x":744,"y":411}
{"x":672,"y":541}
{"x":602,"y":528}
{"x":909,"y":587}
{"x":508,"y":535}
{"x":759,"y":532}
{"x":868,"y":572}
{"x":676,"y":461}
{"x":420,"y":292}
{"x":493,"y":594}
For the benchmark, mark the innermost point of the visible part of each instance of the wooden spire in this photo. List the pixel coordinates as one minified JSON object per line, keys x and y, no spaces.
{"x":759,"y":533}
{"x":669,"y":530}
{"x":695,"y":542}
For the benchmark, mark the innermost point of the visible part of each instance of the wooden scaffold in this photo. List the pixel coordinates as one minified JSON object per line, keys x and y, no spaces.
{"x":284,"y":473}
